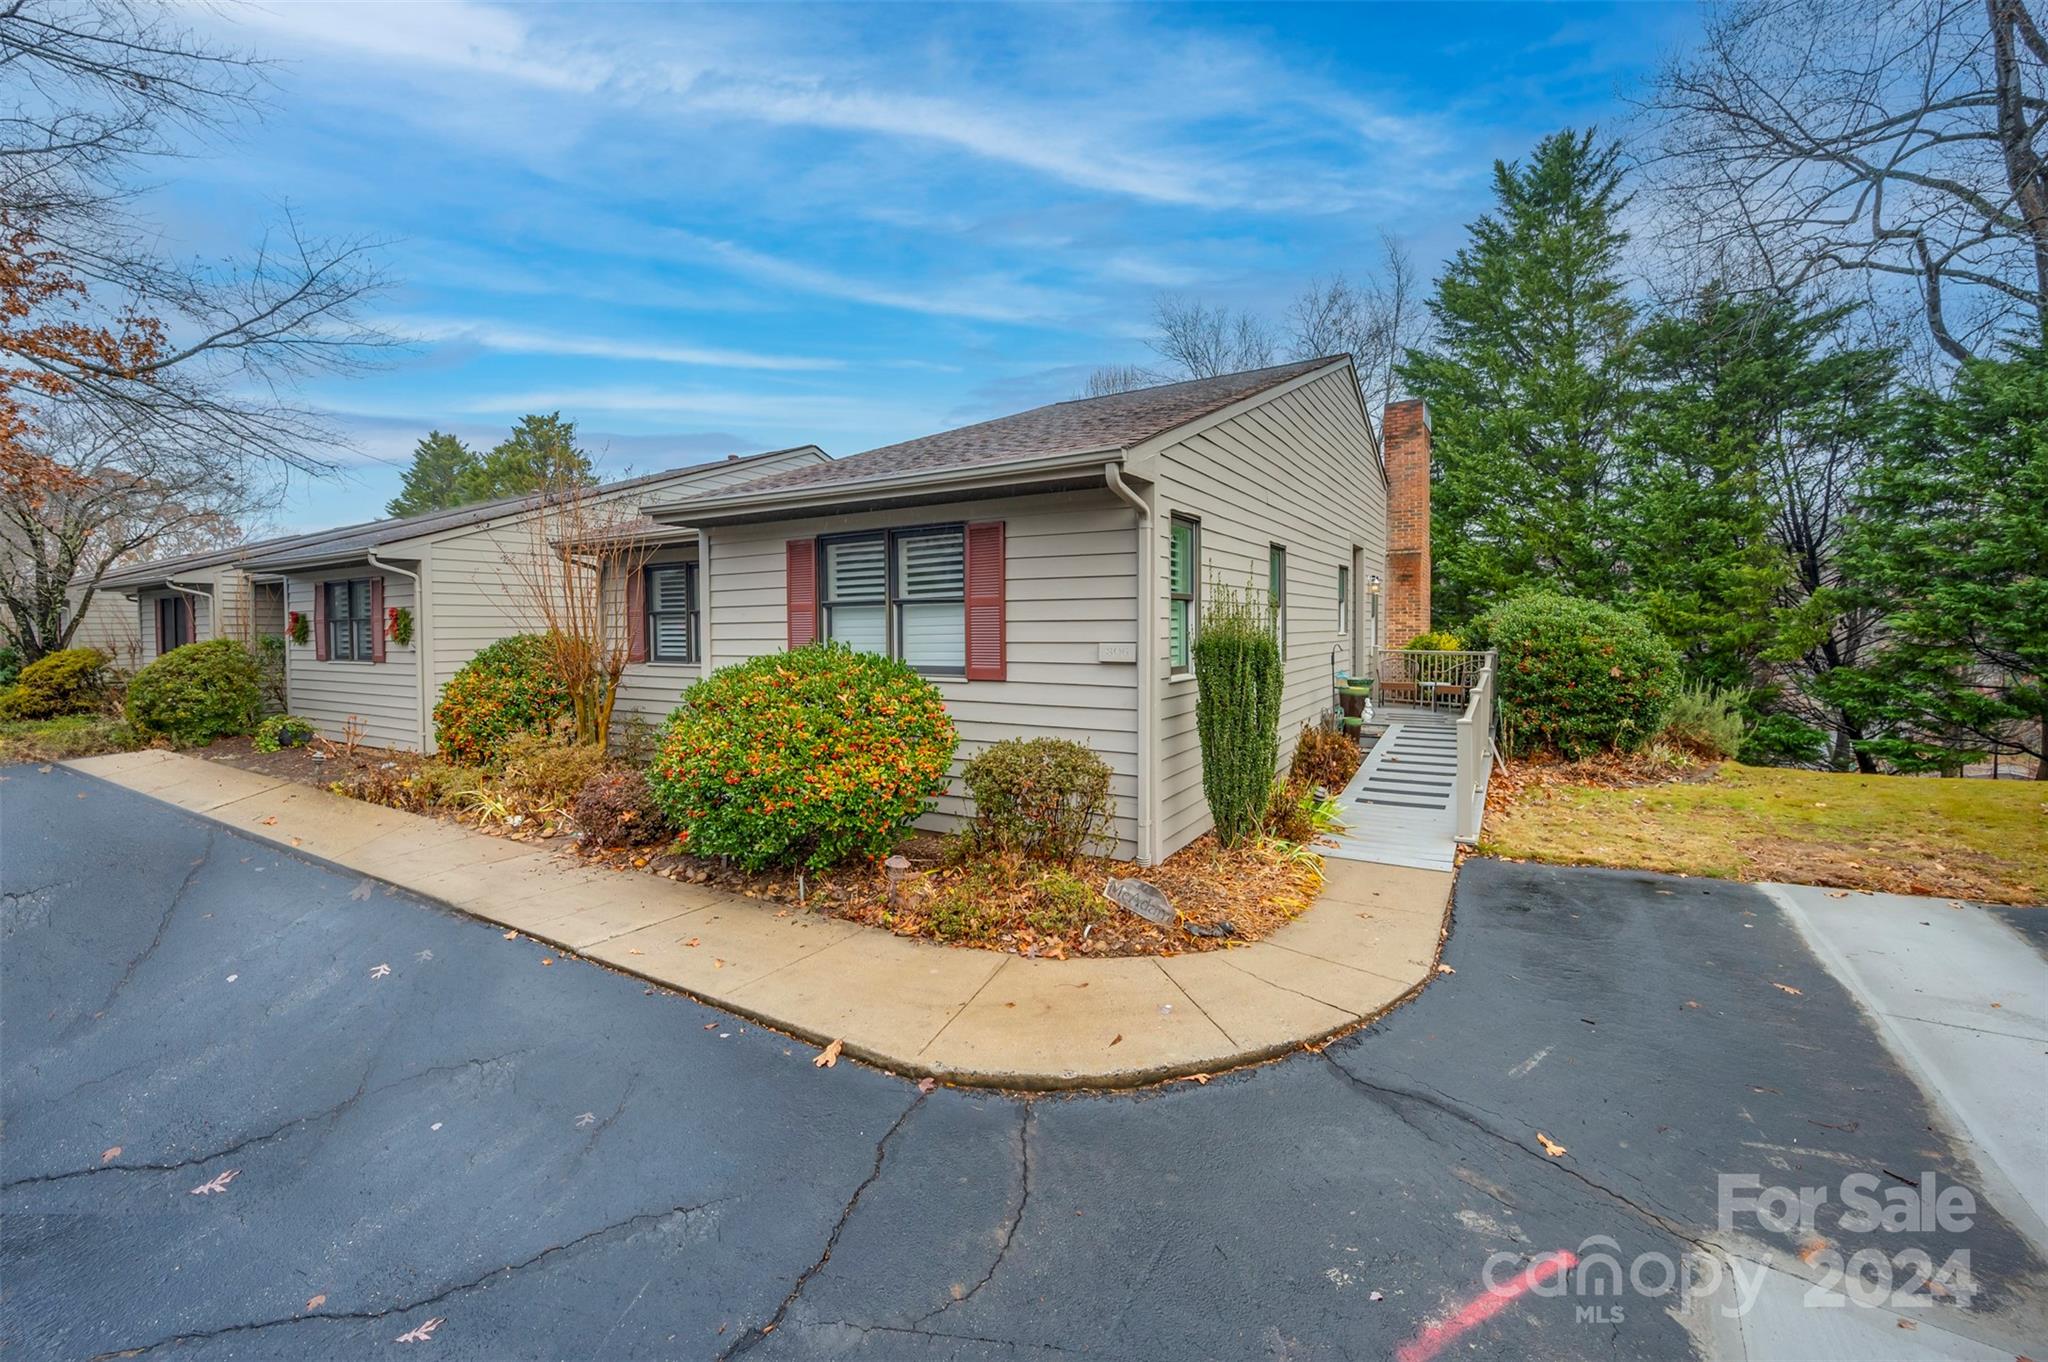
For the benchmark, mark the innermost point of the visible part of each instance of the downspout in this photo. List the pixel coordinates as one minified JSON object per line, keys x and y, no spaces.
{"x":193,"y":593}
{"x":420,"y":636}
{"x":1148,"y":719}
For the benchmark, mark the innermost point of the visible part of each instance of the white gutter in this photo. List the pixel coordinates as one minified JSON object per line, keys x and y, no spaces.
{"x":1148,"y":719}
{"x":971,"y":478}
{"x":419,"y":642}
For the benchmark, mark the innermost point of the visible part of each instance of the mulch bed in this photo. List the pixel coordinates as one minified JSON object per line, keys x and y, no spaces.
{"x":301,"y":763}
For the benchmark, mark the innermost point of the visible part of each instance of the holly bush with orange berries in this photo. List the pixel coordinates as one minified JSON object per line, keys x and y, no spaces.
{"x":808,"y":757}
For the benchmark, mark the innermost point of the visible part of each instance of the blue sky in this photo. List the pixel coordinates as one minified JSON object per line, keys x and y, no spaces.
{"x":707,"y":230}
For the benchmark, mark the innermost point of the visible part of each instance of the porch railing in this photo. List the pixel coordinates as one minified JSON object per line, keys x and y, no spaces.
{"x":1443,"y":682}
{"x":1475,"y":751}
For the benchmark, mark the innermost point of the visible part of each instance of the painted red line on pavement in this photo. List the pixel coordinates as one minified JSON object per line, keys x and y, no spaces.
{"x":1432,"y":1339}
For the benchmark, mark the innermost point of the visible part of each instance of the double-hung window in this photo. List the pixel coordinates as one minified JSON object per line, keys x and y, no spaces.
{"x":348,"y":620}
{"x":1276,"y":584}
{"x":672,"y":618}
{"x":1183,"y":614}
{"x":1343,"y":600}
{"x":902,"y":593}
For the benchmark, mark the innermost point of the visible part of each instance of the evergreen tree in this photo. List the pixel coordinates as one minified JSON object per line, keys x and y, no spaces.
{"x":434,"y":482}
{"x":1528,"y":379}
{"x":540,"y":451}
{"x":1950,"y":547}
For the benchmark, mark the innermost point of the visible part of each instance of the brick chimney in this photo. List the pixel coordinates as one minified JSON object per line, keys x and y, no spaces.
{"x":1404,"y":439}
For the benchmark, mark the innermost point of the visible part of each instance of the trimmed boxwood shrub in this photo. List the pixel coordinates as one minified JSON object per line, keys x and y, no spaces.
{"x":72,"y":681}
{"x":510,"y":687}
{"x":1238,"y":680}
{"x":1435,"y":641}
{"x":802,"y":758}
{"x":1575,"y":676}
{"x":197,"y":693}
{"x":1046,"y":798}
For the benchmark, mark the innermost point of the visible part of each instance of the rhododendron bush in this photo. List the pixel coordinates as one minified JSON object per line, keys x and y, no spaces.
{"x":807,"y":757}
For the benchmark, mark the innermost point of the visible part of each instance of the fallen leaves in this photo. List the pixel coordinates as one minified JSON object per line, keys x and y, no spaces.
{"x":1811,"y":1250}
{"x":316,"y":1302}
{"x":692,"y":942}
{"x":511,"y":936}
{"x":927,"y":1084}
{"x":109,"y":1155}
{"x":547,"y":959}
{"x":218,"y":1183}
{"x":1786,"y":988}
{"x":1550,"y":1147}
{"x":421,"y":1334}
{"x":828,"y":1056}
{"x":269,"y":822}
{"x":1445,"y":969}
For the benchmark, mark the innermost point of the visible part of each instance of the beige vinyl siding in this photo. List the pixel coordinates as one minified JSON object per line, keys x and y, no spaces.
{"x":112,"y":624}
{"x":650,"y":690}
{"x":383,"y":695}
{"x":1071,"y":569}
{"x":1299,"y":470}
{"x":145,"y":616}
{"x":480,"y":594}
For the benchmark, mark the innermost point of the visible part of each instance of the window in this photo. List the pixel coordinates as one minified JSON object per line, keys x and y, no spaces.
{"x":672,"y":620}
{"x":1343,"y":600}
{"x":1276,"y":585}
{"x":903,"y":594}
{"x":1183,"y":614}
{"x":348,"y":620}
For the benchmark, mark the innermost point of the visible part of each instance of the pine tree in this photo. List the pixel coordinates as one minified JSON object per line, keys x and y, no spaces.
{"x":440,"y":462}
{"x":540,"y":451}
{"x":1528,"y":377}
{"x":1950,"y":548}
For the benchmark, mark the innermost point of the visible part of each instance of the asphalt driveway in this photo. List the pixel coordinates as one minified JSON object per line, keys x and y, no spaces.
{"x":406,"y":1118}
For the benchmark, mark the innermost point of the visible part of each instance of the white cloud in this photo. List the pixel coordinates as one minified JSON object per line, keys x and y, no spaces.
{"x":527,"y":341}
{"x":988,"y":298}
{"x":489,"y":39}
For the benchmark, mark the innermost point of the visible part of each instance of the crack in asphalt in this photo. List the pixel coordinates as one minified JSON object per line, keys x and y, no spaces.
{"x":913,"y":1331}
{"x":1028,"y":1118}
{"x":670,"y":1213}
{"x":275,"y":1132}
{"x":601,"y":1127}
{"x":163,"y":923}
{"x":1389,"y":1098}
{"x":752,"y":1337}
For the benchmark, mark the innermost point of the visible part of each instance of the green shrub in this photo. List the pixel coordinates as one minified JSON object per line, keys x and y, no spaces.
{"x":802,"y":758}
{"x":197,"y":693}
{"x":1238,"y":679}
{"x":1575,"y":676}
{"x":73,"y":681}
{"x":1705,"y":721}
{"x":1064,"y":903}
{"x":10,"y":665}
{"x":280,"y":731}
{"x":510,"y":687}
{"x":1046,"y":798}
{"x":1435,"y":641}
{"x":970,"y":908}
{"x":270,"y":668}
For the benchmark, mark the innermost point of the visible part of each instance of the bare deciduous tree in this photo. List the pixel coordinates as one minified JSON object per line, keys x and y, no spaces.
{"x":1120,"y":378}
{"x":209,"y":353}
{"x":586,"y":548}
{"x":1199,"y":341}
{"x":127,"y":499}
{"x":1896,"y":141}
{"x":1374,"y":322}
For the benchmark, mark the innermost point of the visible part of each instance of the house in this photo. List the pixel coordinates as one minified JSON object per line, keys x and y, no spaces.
{"x":1047,"y":569}
{"x":187,"y":599}
{"x":457,"y":577}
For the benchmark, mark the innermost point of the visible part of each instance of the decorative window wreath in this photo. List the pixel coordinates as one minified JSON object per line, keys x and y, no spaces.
{"x":298,"y":629}
{"x":398,"y":625}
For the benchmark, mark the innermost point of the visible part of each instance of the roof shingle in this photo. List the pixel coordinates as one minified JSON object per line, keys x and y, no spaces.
{"x":1082,"y":425}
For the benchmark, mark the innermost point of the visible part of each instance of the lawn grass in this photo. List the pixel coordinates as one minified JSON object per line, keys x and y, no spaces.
{"x":1975,"y":839}
{"x":74,"y":735}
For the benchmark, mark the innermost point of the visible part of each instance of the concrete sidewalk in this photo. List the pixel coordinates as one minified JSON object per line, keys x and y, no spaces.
{"x":964,"y":1016}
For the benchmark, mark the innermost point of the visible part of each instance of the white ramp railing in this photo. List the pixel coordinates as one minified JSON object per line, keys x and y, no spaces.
{"x":1475,"y":753}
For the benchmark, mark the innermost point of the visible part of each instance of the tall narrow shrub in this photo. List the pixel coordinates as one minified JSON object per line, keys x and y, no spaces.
{"x":1238,"y":679}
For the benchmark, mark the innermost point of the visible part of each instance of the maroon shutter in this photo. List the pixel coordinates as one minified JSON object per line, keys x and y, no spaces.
{"x":803,"y":592}
{"x":636,"y":615}
{"x":985,"y":593}
{"x":376,"y":619}
{"x":319,"y":621}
